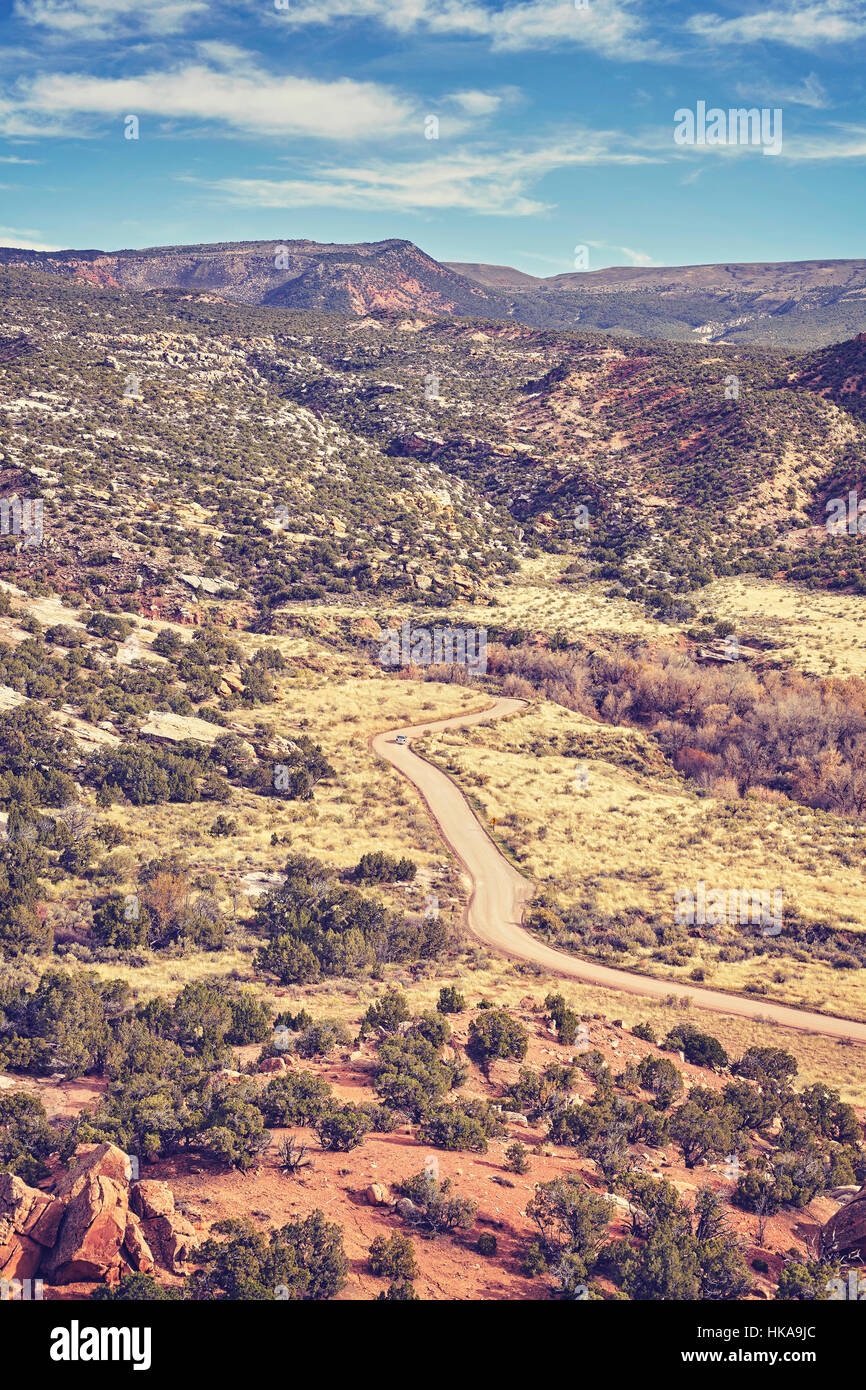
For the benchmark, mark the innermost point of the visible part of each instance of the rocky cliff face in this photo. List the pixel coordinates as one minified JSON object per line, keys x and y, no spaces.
{"x":293,"y":274}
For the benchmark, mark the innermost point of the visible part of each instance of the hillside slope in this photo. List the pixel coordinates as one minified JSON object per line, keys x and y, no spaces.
{"x":394,"y":454}
{"x":804,"y":304}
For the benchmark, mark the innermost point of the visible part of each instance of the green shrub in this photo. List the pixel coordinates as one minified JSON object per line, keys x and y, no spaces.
{"x":463,"y":1125}
{"x":496,"y":1034}
{"x":517,"y":1158}
{"x":401,"y":1291}
{"x":379,"y":867}
{"x":122,"y":922}
{"x":393,"y":1258}
{"x":135,"y":1288}
{"x":436,"y":1210}
{"x":450,"y":1001}
{"x":304,"y":1260}
{"x":26,"y":1138}
{"x":645,"y":1031}
{"x":295,"y":1098}
{"x":387,"y":1013}
{"x":411,"y":1076}
{"x":343,"y":1129}
{"x":701,"y":1049}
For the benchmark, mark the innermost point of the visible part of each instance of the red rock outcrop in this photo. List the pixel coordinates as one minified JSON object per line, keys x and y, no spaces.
{"x":95,"y":1160}
{"x":94,"y":1227}
{"x":166,"y":1231}
{"x":846,"y":1231}
{"x":92,"y":1232}
{"x":136,"y":1247}
{"x":150,"y":1198}
{"x":29,"y":1221}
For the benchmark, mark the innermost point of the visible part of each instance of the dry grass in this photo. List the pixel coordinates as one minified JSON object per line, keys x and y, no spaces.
{"x":631,"y":839}
{"x":366,"y":806}
{"x":819,"y":632}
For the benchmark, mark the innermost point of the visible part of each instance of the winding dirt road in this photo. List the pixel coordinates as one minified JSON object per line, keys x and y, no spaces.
{"x":500,"y":893}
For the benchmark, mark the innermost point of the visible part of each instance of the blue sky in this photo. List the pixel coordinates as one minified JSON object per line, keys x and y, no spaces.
{"x":309,"y":118}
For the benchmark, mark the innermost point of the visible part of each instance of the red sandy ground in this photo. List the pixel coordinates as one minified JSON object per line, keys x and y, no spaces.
{"x":450,"y":1266}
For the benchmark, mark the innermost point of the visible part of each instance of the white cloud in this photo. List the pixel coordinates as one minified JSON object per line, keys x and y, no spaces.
{"x":109,"y":19}
{"x":454,"y":185}
{"x":241,"y":96}
{"x":477,"y":103}
{"x":800,"y":25}
{"x":23,"y":240}
{"x":839,"y":142}
{"x":810,"y":92}
{"x":613,"y":28}
{"x":610,"y":27}
{"x":491,"y":182}
{"x":633,"y":257}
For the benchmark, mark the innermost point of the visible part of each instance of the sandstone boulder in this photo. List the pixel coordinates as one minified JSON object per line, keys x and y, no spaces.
{"x":175,"y":1239}
{"x":150,"y":1198}
{"x":95,"y":1160}
{"x":273,"y":1064}
{"x":91,"y":1233}
{"x":29,"y":1220}
{"x":29,"y":1211}
{"x":169,"y":1236}
{"x":20,"y":1256}
{"x":846,"y":1231}
{"x":377,"y":1195}
{"x":95,"y":1227}
{"x":135,"y":1245}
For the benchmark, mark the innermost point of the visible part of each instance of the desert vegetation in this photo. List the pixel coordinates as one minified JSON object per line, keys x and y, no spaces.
{"x":234,"y":946}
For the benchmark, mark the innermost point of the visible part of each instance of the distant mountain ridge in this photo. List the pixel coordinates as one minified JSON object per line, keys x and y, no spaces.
{"x":800,"y":304}
{"x":770,"y":277}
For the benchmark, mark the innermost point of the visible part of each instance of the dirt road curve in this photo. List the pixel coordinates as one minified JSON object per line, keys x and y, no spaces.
{"x":501,"y":893}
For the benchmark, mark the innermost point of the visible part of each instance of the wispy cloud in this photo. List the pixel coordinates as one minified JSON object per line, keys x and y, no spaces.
{"x":491,"y":182}
{"x":633,"y":257}
{"x":23,"y":240}
{"x":476,"y":103}
{"x":839,"y":141}
{"x":109,"y":19}
{"x":799,"y":24}
{"x":613,"y":28}
{"x":810,"y":92}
